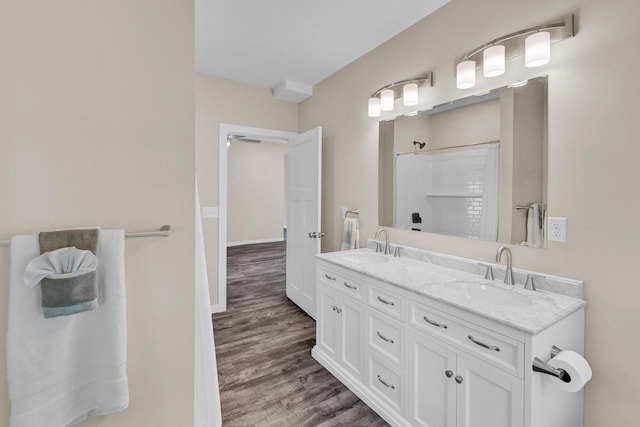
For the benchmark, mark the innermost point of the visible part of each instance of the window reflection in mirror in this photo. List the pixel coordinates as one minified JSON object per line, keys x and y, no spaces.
{"x":475,"y":167}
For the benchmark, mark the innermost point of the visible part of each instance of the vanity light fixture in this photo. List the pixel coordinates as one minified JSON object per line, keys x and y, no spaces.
{"x":466,"y":77}
{"x":374,"y":107}
{"x":387,"y":100}
{"x":384,"y":98}
{"x":410,"y":94}
{"x":534,"y":42}
{"x":537,"y":49}
{"x":493,"y":61}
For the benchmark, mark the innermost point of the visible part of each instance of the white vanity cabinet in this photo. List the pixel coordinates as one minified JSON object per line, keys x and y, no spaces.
{"x":340,"y":320}
{"x":418,"y":361}
{"x":451,"y":389}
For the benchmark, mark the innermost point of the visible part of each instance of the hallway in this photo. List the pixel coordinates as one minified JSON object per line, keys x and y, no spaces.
{"x":263,"y":345}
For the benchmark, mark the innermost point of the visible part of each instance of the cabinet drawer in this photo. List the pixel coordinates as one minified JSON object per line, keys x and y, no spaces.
{"x":386,"y":337}
{"x":386,"y":383}
{"x":498,"y":350}
{"x":387,"y":302}
{"x":342,"y":282}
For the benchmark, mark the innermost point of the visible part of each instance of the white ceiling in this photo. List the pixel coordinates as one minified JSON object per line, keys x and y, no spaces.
{"x":263,"y":42}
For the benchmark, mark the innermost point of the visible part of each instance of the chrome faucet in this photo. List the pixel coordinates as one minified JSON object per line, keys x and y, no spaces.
{"x":387,"y":249}
{"x":508,"y":275}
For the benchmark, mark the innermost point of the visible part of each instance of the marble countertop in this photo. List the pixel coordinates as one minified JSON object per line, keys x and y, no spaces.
{"x":537,"y":310}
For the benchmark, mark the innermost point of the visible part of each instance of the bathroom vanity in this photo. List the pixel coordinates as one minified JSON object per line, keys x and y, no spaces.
{"x":424,"y":340}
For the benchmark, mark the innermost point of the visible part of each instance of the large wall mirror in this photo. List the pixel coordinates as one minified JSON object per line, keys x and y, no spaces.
{"x":475,"y":167}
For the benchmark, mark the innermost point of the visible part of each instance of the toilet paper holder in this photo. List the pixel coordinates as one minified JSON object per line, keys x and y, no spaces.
{"x":545,"y":368}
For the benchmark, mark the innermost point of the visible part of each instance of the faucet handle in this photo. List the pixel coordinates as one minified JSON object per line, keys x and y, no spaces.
{"x":489,"y":274}
{"x":530,"y":284}
{"x":396,"y":253}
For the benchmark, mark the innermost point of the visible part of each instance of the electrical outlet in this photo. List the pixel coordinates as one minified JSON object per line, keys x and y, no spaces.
{"x":557,"y":229}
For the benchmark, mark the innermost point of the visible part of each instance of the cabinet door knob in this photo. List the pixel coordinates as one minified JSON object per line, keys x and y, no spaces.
{"x":339,"y":310}
{"x":458,"y":379}
{"x":448,"y":373}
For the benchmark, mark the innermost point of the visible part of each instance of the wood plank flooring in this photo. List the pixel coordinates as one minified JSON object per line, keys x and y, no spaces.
{"x":263,"y":346}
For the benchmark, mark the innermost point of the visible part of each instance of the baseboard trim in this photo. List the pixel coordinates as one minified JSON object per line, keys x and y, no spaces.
{"x":252,"y":242}
{"x":358,"y":389}
{"x":218,"y":308}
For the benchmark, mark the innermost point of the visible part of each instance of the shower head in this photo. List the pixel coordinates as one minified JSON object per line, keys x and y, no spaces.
{"x":419,"y":145}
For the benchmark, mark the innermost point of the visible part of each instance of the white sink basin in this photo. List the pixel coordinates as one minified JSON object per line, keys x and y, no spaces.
{"x":487,"y":294}
{"x":366,"y":258}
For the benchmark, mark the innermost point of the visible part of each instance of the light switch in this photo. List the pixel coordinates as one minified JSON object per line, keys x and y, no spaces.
{"x":210,"y":212}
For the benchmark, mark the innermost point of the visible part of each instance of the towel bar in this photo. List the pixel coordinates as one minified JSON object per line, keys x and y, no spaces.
{"x":165,"y":230}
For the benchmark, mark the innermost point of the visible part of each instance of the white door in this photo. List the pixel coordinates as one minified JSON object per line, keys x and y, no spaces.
{"x":328,"y":325}
{"x":351,"y":318}
{"x":432,"y":388}
{"x":304,"y":166}
{"x":488,"y":396}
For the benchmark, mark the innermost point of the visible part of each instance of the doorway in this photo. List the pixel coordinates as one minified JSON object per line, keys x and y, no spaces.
{"x":228,"y":134}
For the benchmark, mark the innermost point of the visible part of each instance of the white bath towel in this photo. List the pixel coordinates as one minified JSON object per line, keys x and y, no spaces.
{"x":535,"y":225}
{"x":351,"y":234}
{"x":64,"y":369}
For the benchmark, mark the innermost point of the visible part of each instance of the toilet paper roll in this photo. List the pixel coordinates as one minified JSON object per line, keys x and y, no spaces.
{"x":576,"y":366}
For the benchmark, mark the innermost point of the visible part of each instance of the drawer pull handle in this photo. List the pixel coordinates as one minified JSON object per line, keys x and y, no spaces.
{"x":384,"y":301}
{"x":483,"y":345}
{"x":329,"y":277}
{"x":434,"y":323}
{"x":350,"y":286}
{"x":386,"y":384}
{"x":458,"y":379}
{"x":382,"y":337}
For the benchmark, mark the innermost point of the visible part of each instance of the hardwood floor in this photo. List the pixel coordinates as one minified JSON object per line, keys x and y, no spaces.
{"x":263,"y":346}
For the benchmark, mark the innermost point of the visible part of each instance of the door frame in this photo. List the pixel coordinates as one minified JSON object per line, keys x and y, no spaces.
{"x":227,"y":129}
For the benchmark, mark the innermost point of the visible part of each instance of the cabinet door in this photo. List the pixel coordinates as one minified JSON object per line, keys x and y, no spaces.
{"x":352,"y":336}
{"x":327,"y":325}
{"x":488,"y":396}
{"x":432,"y":389}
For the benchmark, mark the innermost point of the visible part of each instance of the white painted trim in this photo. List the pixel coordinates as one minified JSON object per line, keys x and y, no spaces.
{"x":225,"y":130}
{"x":253,"y":242}
{"x":217,"y":308}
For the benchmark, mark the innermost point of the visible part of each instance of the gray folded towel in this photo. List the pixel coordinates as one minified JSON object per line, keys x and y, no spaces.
{"x":64,"y":294}
{"x":81,"y":238}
